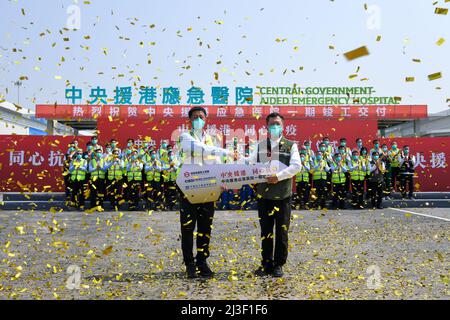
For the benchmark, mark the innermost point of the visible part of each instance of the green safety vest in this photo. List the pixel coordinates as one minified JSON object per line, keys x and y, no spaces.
{"x":135,"y":173}
{"x":97,"y":174}
{"x":154,"y":175}
{"x":319,"y":174}
{"x":357,"y":174}
{"x":170,"y":175}
{"x":338,"y":177}
{"x":78,"y":175}
{"x":394,"y":156}
{"x":302,"y":175}
{"x":115,"y":172}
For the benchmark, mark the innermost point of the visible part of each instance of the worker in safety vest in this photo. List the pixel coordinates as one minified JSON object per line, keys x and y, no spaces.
{"x":78,"y":168}
{"x":70,"y":154}
{"x":394,"y":155}
{"x":170,"y":171}
{"x":97,"y":170}
{"x":338,"y":170}
{"x":407,"y":165}
{"x":327,"y":154}
{"x":114,"y":166}
{"x":384,"y":156}
{"x":357,"y":169}
{"x":303,"y":185}
{"x":375,"y":184}
{"x":319,"y":169}
{"x":153,"y":186}
{"x":134,"y":178}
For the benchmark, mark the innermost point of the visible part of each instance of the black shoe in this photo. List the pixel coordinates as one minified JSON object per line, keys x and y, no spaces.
{"x":263,"y":271}
{"x":278,"y":271}
{"x":204,"y":269}
{"x":191,"y":271}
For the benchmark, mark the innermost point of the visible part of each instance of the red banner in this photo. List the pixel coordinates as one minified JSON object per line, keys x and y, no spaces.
{"x":34,"y":163}
{"x":168,"y":112}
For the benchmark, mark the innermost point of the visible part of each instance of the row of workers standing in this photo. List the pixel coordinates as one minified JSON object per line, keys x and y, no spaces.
{"x":121,"y":176}
{"x":359,"y":174}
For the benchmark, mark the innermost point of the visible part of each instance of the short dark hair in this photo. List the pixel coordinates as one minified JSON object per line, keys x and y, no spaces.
{"x":196,"y":109}
{"x":274,"y":115}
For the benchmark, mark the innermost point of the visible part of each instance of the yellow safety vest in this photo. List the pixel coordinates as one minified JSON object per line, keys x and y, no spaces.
{"x":338,"y":177}
{"x":319,"y":174}
{"x":115,"y":172}
{"x":154,"y":175}
{"x":78,"y":175}
{"x":395,"y":163}
{"x":135,"y":173}
{"x":302,"y":176}
{"x":357,"y":174}
{"x":97,"y":174}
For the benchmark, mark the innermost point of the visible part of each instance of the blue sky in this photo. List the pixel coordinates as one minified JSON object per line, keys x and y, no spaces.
{"x":240,"y":34}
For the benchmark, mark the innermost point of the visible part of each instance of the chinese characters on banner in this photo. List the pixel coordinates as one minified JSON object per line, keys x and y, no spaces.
{"x":354,"y":112}
{"x":34,"y":163}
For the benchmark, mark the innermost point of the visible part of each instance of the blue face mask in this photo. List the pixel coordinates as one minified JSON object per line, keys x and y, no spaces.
{"x":384,"y":149}
{"x":322,"y":148}
{"x":375,"y":157}
{"x":406,"y":151}
{"x":326,"y":142}
{"x":275,"y":130}
{"x":359,"y":144}
{"x":338,"y":159}
{"x":319,"y":157}
{"x":198,"y":124}
{"x":79,"y":156}
{"x":343,"y":143}
{"x":307,"y":146}
{"x":376,"y":145}
{"x":394,"y":147}
{"x":94,"y":141}
{"x":342,"y":151}
{"x":355,"y":157}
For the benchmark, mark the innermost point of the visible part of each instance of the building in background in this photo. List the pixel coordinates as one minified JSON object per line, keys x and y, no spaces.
{"x":15,"y":119}
{"x":435,"y":125}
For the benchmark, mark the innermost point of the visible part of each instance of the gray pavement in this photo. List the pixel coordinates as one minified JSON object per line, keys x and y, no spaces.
{"x":350,"y":254}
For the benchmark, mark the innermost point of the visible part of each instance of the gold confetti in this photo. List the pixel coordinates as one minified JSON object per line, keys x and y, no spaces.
{"x":378,"y":38}
{"x":356,"y":53}
{"x":107,"y":250}
{"x":440,"y":42}
{"x":409,"y":79}
{"x":441,"y":11}
{"x":434,"y":76}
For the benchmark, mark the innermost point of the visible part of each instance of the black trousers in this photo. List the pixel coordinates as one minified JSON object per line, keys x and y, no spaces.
{"x":303,"y":193}
{"x":133,"y":193}
{"x":339,"y":195}
{"x":278,"y":213}
{"x":97,"y":192}
{"x":78,"y":193}
{"x":153,"y":199}
{"x":68,"y":188}
{"x":192,"y":215}
{"x":171,"y":194}
{"x":321,"y":192}
{"x":406,"y":180}
{"x":114,"y":192}
{"x":375,"y":192}
{"x":357,"y":193}
{"x":395,"y":179}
